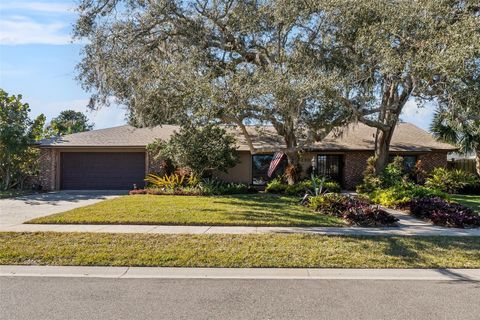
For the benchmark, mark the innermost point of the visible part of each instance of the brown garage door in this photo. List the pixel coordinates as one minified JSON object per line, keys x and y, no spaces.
{"x":101,"y":170}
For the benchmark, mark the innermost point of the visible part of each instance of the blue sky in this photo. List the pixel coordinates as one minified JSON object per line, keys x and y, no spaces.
{"x":38,"y":58}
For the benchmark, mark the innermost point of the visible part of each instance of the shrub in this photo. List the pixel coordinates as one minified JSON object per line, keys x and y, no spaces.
{"x":402,"y":195}
{"x":172,"y":181}
{"x":330,"y":203}
{"x":356,"y":210}
{"x":370,"y":216}
{"x":276,"y":186}
{"x":202,"y":149}
{"x":332,"y":186}
{"x":450,"y":181}
{"x":389,"y":197}
{"x":444,"y":213}
{"x":300,"y":188}
{"x":370,"y":180}
{"x":191,"y":185}
{"x":471,"y":188}
{"x":217,"y":187}
{"x":393,"y":173}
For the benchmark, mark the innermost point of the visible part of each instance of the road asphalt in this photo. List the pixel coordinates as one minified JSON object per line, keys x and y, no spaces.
{"x":107,"y":298}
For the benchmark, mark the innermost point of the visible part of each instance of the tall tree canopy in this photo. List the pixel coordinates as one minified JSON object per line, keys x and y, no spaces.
{"x":232,"y":61}
{"x":390,"y":51}
{"x":457,"y":119}
{"x":18,"y":133}
{"x":302,"y":66}
{"x":67,"y":122}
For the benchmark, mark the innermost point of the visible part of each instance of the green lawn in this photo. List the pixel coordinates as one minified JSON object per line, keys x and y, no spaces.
{"x":468,"y":200}
{"x":242,"y":251}
{"x":246,"y":210}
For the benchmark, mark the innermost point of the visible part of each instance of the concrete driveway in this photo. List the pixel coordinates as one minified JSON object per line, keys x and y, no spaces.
{"x":17,"y":210}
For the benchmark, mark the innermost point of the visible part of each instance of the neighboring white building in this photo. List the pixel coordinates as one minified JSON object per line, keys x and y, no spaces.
{"x":457,"y":156}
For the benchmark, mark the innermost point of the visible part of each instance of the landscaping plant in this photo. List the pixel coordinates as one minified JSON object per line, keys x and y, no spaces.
{"x":182,"y":184}
{"x":300,"y":188}
{"x":402,"y":194}
{"x":451,"y":181}
{"x":19,"y":160}
{"x":355,"y":210}
{"x":200,"y":149}
{"x":444,"y":213}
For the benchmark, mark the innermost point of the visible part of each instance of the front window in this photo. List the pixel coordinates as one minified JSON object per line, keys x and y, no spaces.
{"x":330,"y":166}
{"x":408,"y":162}
{"x":260,"y":165}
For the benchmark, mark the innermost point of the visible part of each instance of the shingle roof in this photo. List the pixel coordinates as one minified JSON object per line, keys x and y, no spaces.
{"x":407,"y":137}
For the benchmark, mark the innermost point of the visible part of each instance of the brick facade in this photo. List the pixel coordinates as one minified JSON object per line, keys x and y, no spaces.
{"x":433,"y":160}
{"x":48,"y":169}
{"x":355,"y":164}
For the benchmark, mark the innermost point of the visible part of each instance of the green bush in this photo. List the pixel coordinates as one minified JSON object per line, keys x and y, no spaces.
{"x":450,"y":181}
{"x":332,"y":186}
{"x":393,"y":174}
{"x":403,"y":194}
{"x":276,"y":186}
{"x":217,"y":187}
{"x":370,"y":180}
{"x":300,"y":188}
{"x":191,"y":185}
{"x":330,"y":203}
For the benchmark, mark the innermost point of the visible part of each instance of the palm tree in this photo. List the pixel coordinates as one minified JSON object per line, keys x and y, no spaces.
{"x":460,"y":127}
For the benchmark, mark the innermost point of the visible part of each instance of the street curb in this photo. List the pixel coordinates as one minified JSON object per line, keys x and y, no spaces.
{"x":240,"y":273}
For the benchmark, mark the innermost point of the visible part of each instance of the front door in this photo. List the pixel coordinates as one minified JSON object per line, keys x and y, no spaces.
{"x":330,"y":166}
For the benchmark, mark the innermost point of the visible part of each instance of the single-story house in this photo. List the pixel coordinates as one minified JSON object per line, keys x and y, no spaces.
{"x":116,"y":158}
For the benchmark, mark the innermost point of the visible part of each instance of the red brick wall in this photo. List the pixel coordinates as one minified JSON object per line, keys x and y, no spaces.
{"x":433,"y":160}
{"x":355,"y":164}
{"x":48,"y":169}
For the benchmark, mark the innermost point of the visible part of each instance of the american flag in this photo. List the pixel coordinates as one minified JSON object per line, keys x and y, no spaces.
{"x":277,"y":158}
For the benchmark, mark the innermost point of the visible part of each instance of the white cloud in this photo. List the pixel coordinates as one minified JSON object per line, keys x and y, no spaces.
{"x":17,"y":30}
{"x":37,"y":6}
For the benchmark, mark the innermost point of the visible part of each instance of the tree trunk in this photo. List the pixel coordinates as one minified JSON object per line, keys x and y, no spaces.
{"x":382,"y":149}
{"x":477,"y":161}
{"x":292,"y":170}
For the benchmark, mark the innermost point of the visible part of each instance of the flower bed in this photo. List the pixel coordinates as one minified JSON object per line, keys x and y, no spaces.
{"x":355,"y":210}
{"x":444,"y":213}
{"x":190,"y":186}
{"x":299,"y":189}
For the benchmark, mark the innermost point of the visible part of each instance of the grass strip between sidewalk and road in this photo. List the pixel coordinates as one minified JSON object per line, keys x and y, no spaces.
{"x":233,"y":210}
{"x":239,"y":251}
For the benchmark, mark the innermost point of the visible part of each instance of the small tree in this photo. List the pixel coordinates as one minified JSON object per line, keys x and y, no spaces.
{"x":200,"y":149}
{"x":18,"y":159}
{"x":68,"y":122}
